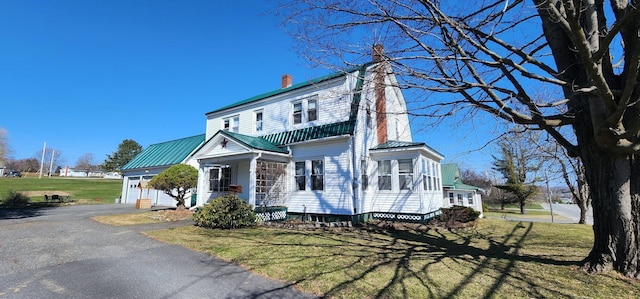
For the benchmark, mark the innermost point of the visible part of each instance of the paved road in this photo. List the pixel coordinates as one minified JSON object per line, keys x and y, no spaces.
{"x":570,"y":211}
{"x":61,"y":253}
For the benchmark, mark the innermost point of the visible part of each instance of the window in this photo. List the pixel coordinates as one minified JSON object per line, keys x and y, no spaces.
{"x":219,"y":179}
{"x":300,"y":176}
{"x":297,"y":113}
{"x":470,"y":198}
{"x":231,"y":124}
{"x":451,"y":201}
{"x":312,"y":110}
{"x":384,"y":175}
{"x":368,"y":117}
{"x":236,"y":124}
{"x":226,"y":124}
{"x":258,"y":123}
{"x":460,"y":202}
{"x":405,"y":174}
{"x":317,"y":175}
{"x":364,"y":175}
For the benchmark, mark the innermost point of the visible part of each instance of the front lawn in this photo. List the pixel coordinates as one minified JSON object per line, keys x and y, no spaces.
{"x":83,"y":190}
{"x":498,"y":258}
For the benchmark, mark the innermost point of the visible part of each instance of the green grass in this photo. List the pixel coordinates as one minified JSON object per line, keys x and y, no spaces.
{"x":497,"y":259}
{"x":85,"y":190}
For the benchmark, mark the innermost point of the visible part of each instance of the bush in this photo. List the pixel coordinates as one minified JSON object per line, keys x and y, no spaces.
{"x":15,"y":199}
{"x":459,"y":214}
{"x":228,"y":211}
{"x":485,"y":207}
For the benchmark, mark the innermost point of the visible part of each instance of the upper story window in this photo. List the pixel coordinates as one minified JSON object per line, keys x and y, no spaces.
{"x":231,"y":124}
{"x":258,"y":123}
{"x":312,"y":109}
{"x":305,"y":110}
{"x":297,"y":113}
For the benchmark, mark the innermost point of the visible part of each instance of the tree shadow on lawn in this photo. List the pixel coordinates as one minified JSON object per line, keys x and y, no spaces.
{"x":433,"y":263}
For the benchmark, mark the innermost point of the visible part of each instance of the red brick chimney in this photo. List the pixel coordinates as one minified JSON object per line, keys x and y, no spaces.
{"x":378,"y":53}
{"x":380,"y":94}
{"x":287,"y":80}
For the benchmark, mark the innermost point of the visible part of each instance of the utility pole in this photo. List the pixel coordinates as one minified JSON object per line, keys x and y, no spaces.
{"x":44,"y":148}
{"x":53,"y":152}
{"x":546,"y":176}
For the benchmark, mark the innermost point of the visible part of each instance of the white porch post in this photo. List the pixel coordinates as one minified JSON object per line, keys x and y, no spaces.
{"x":202,"y":187}
{"x":252,"y":180}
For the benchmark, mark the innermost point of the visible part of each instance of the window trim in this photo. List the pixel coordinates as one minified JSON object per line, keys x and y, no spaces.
{"x":302,"y":115}
{"x":231,"y":123}
{"x":314,"y":176}
{"x":258,"y":124}
{"x":387,"y":175}
{"x":296,"y":176}
{"x":405,"y":174}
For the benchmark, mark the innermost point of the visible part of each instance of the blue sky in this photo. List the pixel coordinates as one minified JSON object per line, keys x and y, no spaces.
{"x":84,"y":75}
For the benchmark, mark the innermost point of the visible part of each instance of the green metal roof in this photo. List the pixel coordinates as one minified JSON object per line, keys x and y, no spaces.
{"x":391,"y":144}
{"x":165,"y":153}
{"x":254,"y":142}
{"x":311,"y":133}
{"x":397,"y":144}
{"x":451,"y":178}
{"x":292,"y":87}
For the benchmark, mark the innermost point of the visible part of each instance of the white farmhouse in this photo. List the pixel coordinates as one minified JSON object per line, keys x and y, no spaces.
{"x":335,"y":148}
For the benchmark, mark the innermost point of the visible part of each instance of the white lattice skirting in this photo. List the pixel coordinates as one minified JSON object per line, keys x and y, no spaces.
{"x":397,"y":217}
{"x":271,"y":216}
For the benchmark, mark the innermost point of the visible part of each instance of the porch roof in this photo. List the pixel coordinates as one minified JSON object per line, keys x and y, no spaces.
{"x":394,"y":144}
{"x":311,"y":133}
{"x":165,"y":153}
{"x":451,"y":178}
{"x":254,"y":142}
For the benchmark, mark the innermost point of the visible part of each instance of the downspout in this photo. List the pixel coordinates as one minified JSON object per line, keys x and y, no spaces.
{"x":354,"y":179}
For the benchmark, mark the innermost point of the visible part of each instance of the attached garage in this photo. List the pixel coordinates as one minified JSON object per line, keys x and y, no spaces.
{"x":152,"y":161}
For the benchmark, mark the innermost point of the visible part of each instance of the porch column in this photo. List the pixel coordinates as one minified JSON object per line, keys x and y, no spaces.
{"x":202,"y":187}
{"x":252,"y":179}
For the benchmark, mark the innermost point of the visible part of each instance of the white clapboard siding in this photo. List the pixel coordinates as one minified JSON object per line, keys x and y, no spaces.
{"x":336,"y":197}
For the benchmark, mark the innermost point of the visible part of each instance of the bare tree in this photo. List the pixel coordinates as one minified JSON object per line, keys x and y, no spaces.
{"x":518,"y":163}
{"x":86,"y":162}
{"x":492,"y":56}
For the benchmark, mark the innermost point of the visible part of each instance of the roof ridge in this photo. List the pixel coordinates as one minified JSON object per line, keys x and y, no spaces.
{"x":293,"y":87}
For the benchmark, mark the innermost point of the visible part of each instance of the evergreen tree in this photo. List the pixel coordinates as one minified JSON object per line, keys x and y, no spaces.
{"x":127,"y":150}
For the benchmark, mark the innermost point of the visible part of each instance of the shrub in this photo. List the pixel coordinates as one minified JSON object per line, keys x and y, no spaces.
{"x":458,"y":214}
{"x":15,"y":199}
{"x":485,"y":207}
{"x":227,"y":211}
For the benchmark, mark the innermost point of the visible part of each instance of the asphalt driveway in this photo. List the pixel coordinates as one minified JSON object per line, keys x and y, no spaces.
{"x":61,"y":253}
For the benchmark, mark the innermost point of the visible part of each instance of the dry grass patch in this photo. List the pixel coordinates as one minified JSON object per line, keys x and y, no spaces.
{"x":497,"y":258}
{"x":145,"y":217}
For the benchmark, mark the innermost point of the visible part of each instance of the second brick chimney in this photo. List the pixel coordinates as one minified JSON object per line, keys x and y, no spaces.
{"x":287,"y":81}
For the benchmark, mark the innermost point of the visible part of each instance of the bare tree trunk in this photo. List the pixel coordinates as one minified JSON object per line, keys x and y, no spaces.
{"x":614,"y":185}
